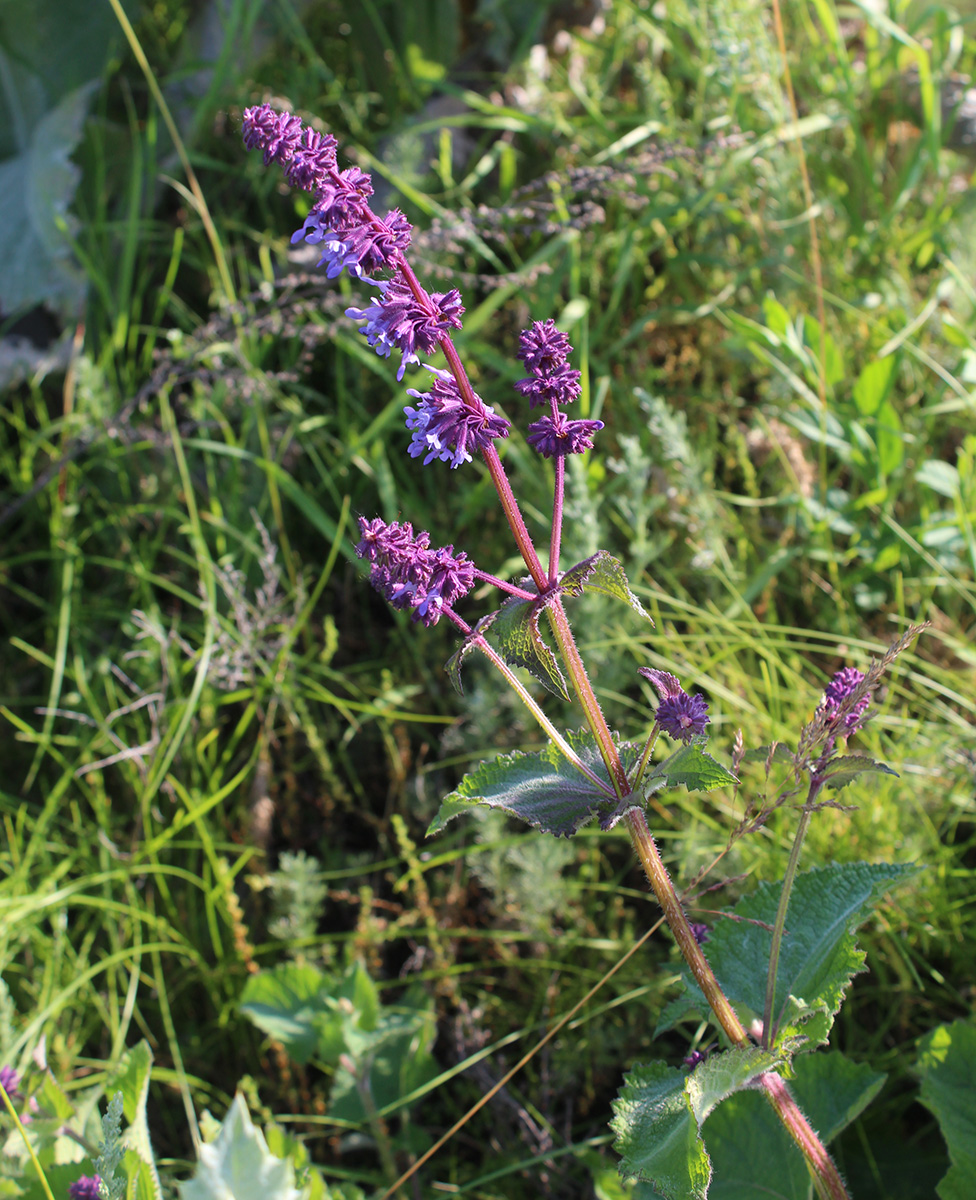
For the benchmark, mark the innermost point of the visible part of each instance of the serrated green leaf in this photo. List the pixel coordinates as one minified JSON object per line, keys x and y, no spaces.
{"x":602,"y":573}
{"x":286,"y":1002}
{"x":841,"y":771}
{"x":753,"y":1155}
{"x":238,"y":1164}
{"x":818,"y":957}
{"x":657,"y":1136}
{"x":947,"y":1065}
{"x":542,"y":788}
{"x":660,"y":1111}
{"x":692,"y":768}
{"x":517,"y":636}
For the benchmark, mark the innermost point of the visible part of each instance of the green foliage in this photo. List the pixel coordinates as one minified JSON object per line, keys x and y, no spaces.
{"x":660,"y":1111}
{"x":382,"y":1051}
{"x":947,"y":1066}
{"x":238,"y":1163}
{"x":819,"y":954}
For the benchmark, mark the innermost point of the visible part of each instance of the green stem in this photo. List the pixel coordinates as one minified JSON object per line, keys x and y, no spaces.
{"x":779,"y":926}
{"x":525,"y":696}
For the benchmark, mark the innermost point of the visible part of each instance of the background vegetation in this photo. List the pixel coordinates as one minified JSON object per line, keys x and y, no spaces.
{"x":221,"y":749}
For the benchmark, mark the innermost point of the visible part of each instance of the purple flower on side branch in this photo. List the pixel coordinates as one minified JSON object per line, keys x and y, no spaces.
{"x":85,"y":1188}
{"x":544,"y":350}
{"x":409,"y":574}
{"x":556,"y":436}
{"x":9,"y":1080}
{"x":680,"y":716}
{"x":843,"y":685}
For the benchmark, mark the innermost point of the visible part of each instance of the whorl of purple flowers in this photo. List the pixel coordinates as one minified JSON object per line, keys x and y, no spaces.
{"x":445,"y":426}
{"x":843,"y":685}
{"x":680,"y":716}
{"x":352,"y":236}
{"x":397,"y":320}
{"x":409,"y":574}
{"x":85,"y":1188}
{"x":544,"y":350}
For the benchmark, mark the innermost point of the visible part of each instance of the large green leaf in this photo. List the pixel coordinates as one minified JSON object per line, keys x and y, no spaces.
{"x":660,"y":1110}
{"x":947,"y":1065}
{"x":753,"y":1155}
{"x":818,"y":957}
{"x":287,"y":1002}
{"x":237,"y":1165}
{"x":839,"y":772}
{"x":542,"y":788}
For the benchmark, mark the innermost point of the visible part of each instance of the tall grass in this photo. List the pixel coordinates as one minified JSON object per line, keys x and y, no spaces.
{"x":196,"y":679}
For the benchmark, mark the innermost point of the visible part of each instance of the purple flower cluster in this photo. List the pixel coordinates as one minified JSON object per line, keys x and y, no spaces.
{"x":445,"y":426}
{"x":409,"y":574}
{"x":352,"y":237}
{"x":85,"y":1188}
{"x":9,"y":1080}
{"x":544,"y":350}
{"x":843,"y":685}
{"x":397,"y":320}
{"x":680,"y":716}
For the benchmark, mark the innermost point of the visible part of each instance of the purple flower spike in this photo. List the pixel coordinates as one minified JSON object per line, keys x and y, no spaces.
{"x":85,"y":1188}
{"x":680,"y":716}
{"x":445,"y":427}
{"x":397,"y":320}
{"x":556,"y":436}
{"x":837,"y":691}
{"x":411,"y":575}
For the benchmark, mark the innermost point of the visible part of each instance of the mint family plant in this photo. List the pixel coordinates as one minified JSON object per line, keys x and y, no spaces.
{"x":788,"y":986}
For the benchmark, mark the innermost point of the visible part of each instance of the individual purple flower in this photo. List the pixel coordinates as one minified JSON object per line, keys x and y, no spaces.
{"x":680,"y":716}
{"x":695,"y":1057}
{"x":700,"y":930}
{"x":9,"y":1079}
{"x":409,"y":574}
{"x":446,"y":427}
{"x":843,"y":685}
{"x":555,"y":436}
{"x":397,"y":320}
{"x":85,"y":1188}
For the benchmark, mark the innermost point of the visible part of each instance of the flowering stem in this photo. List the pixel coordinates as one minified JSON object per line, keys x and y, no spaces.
{"x":514,"y":517}
{"x":779,"y":926}
{"x":645,"y":755}
{"x":557,"y":518}
{"x":504,"y":586}
{"x":826,"y":1176}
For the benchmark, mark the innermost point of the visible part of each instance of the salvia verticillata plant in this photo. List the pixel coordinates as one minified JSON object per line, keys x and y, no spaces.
{"x":773,"y":979}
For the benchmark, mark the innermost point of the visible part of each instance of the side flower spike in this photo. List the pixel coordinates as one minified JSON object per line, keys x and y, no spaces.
{"x":409,"y":574}
{"x":680,"y":716}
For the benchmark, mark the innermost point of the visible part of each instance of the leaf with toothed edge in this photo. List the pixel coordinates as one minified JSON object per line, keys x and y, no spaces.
{"x":542,"y":788}
{"x":517,"y":636}
{"x":601,"y":573}
{"x":841,"y":771}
